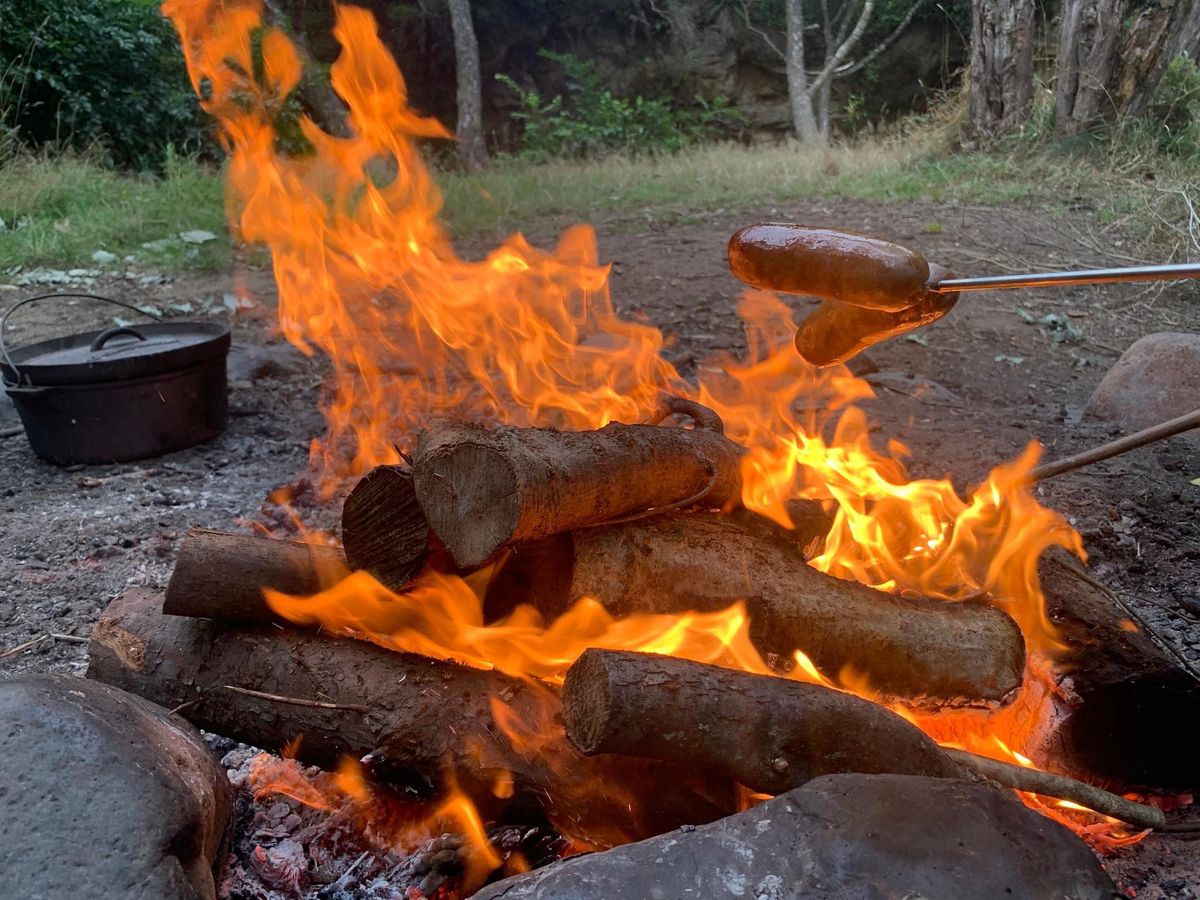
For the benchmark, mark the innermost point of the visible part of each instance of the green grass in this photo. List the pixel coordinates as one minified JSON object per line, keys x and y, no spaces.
{"x":58,"y":211}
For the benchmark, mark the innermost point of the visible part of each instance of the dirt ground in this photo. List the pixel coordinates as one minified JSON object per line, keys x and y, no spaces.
{"x":969,"y":393}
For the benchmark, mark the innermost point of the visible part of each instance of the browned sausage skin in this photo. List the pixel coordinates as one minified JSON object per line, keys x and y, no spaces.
{"x":834,"y":332}
{"x":836,"y":265}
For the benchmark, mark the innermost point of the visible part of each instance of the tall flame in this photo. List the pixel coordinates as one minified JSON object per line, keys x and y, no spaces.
{"x":368,"y":276}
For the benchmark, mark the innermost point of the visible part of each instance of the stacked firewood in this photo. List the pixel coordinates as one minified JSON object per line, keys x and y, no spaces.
{"x":641,"y":518}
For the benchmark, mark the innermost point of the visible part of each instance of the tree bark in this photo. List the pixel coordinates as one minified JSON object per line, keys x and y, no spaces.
{"x":1087,"y":55}
{"x":469,"y":131}
{"x":384,"y":529}
{"x":420,"y":720}
{"x":221,"y":576}
{"x":767,"y":733}
{"x":1162,"y":32}
{"x":484,"y":489}
{"x":1135,"y":716}
{"x":925,"y":652}
{"x":1002,"y":42}
{"x":804,"y":118}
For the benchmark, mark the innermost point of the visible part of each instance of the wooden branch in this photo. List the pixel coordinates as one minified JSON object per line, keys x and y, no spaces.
{"x":926,"y":652}
{"x":1115,"y":448}
{"x":767,"y":733}
{"x":846,"y":46}
{"x":482,"y":490}
{"x":384,"y":529}
{"x":1048,"y":784}
{"x":297,"y":701}
{"x":427,"y":720}
{"x":221,"y":576}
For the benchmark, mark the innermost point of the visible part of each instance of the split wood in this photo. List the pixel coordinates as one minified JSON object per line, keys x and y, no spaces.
{"x":1117,"y":447}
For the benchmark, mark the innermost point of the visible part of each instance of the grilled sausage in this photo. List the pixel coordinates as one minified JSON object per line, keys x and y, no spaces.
{"x":834,"y":331}
{"x":836,"y":265}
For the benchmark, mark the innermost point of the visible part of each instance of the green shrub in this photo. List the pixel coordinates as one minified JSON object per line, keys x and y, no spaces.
{"x":591,"y":122}
{"x":89,"y":72}
{"x":1172,"y":120}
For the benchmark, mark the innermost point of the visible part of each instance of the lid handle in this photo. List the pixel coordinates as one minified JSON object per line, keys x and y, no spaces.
{"x":109,"y":333}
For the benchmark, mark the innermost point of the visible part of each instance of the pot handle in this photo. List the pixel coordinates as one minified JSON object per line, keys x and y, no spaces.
{"x":109,"y":333}
{"x":100,"y":338}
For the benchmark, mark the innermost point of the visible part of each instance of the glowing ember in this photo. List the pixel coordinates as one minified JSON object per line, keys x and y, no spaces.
{"x":367,"y":275}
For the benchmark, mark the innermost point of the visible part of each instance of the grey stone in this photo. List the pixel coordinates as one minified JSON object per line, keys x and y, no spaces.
{"x":1156,"y":379}
{"x":874,"y":837}
{"x":250,"y":362}
{"x":104,"y":795}
{"x":103,"y":257}
{"x":197,"y":236}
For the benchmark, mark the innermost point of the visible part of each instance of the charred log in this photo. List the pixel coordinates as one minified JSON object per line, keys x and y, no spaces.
{"x":420,"y":720}
{"x":770,"y":734}
{"x":1136,"y":712}
{"x":384,"y":529}
{"x":484,"y":489}
{"x":924,"y":651}
{"x":221,"y":576}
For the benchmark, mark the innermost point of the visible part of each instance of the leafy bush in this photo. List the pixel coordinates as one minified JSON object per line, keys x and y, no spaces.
{"x":1172,"y":119}
{"x":591,"y":122}
{"x":83,"y":72}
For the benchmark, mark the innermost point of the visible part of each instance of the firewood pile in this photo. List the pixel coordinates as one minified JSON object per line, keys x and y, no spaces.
{"x":642,"y":519}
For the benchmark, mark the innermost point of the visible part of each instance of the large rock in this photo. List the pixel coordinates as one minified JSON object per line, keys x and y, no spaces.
{"x":842,"y":836}
{"x":1156,"y":379}
{"x":104,"y":795}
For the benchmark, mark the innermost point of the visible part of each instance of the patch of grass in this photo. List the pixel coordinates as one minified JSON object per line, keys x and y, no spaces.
{"x":60,"y":210}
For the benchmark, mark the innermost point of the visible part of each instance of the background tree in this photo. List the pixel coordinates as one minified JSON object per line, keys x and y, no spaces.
{"x":470,"y":86}
{"x":1089,"y":33}
{"x":1002,"y":41}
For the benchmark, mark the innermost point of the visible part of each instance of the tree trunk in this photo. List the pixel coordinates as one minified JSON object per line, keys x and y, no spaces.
{"x":470,"y":86}
{"x":422,"y":721}
{"x":1087,"y":56}
{"x":1162,"y":32}
{"x":925,"y":652}
{"x":804,"y":117}
{"x":1002,"y":39}
{"x":770,"y":734}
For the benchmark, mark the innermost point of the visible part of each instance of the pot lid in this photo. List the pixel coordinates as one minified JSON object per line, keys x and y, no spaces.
{"x":118,"y":353}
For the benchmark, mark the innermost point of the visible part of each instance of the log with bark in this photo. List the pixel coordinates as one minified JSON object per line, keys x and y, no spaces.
{"x":1134,"y":716}
{"x":384,"y":529}
{"x":926,"y":652}
{"x":770,"y":734}
{"x":420,"y":720}
{"x":221,"y":576}
{"x":482,"y":489}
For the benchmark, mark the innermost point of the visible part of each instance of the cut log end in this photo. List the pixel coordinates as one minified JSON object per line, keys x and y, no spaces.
{"x":588,"y":703}
{"x":384,"y":530}
{"x":471,"y":497}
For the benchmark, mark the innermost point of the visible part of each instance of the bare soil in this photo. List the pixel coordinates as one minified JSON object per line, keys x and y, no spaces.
{"x":965,"y":394}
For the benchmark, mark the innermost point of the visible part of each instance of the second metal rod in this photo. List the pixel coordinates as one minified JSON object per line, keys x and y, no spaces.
{"x":1175,"y":272}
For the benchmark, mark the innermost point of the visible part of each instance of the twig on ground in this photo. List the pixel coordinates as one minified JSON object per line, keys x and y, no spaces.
{"x":297,"y":701}
{"x":11,"y":432}
{"x":21,"y":648}
{"x":68,"y":638}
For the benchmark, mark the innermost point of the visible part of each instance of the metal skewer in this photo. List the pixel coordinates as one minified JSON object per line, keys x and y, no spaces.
{"x":1176,"y":272}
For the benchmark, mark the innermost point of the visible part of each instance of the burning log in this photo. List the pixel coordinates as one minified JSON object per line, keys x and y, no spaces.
{"x":384,"y":529}
{"x":1136,"y":701}
{"x":221,"y":576}
{"x":927,"y":652}
{"x":420,"y":720}
{"x":770,"y":734}
{"x":484,"y":489}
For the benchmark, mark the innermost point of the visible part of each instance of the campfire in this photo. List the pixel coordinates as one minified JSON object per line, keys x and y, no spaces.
{"x":573,"y":585}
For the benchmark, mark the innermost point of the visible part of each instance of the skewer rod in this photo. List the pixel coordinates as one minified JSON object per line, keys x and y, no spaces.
{"x":1173,"y":272}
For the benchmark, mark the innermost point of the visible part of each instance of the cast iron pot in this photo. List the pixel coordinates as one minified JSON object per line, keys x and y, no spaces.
{"x":119,"y":394}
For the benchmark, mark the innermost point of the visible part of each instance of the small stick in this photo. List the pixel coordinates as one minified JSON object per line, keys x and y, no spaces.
{"x":68,"y":638}
{"x":1114,"y":448}
{"x":297,"y":701}
{"x":1048,"y":784}
{"x":21,"y":648}
{"x":11,"y":432}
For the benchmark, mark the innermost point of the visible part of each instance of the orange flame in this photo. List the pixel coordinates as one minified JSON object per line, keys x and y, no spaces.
{"x":368,"y":276}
